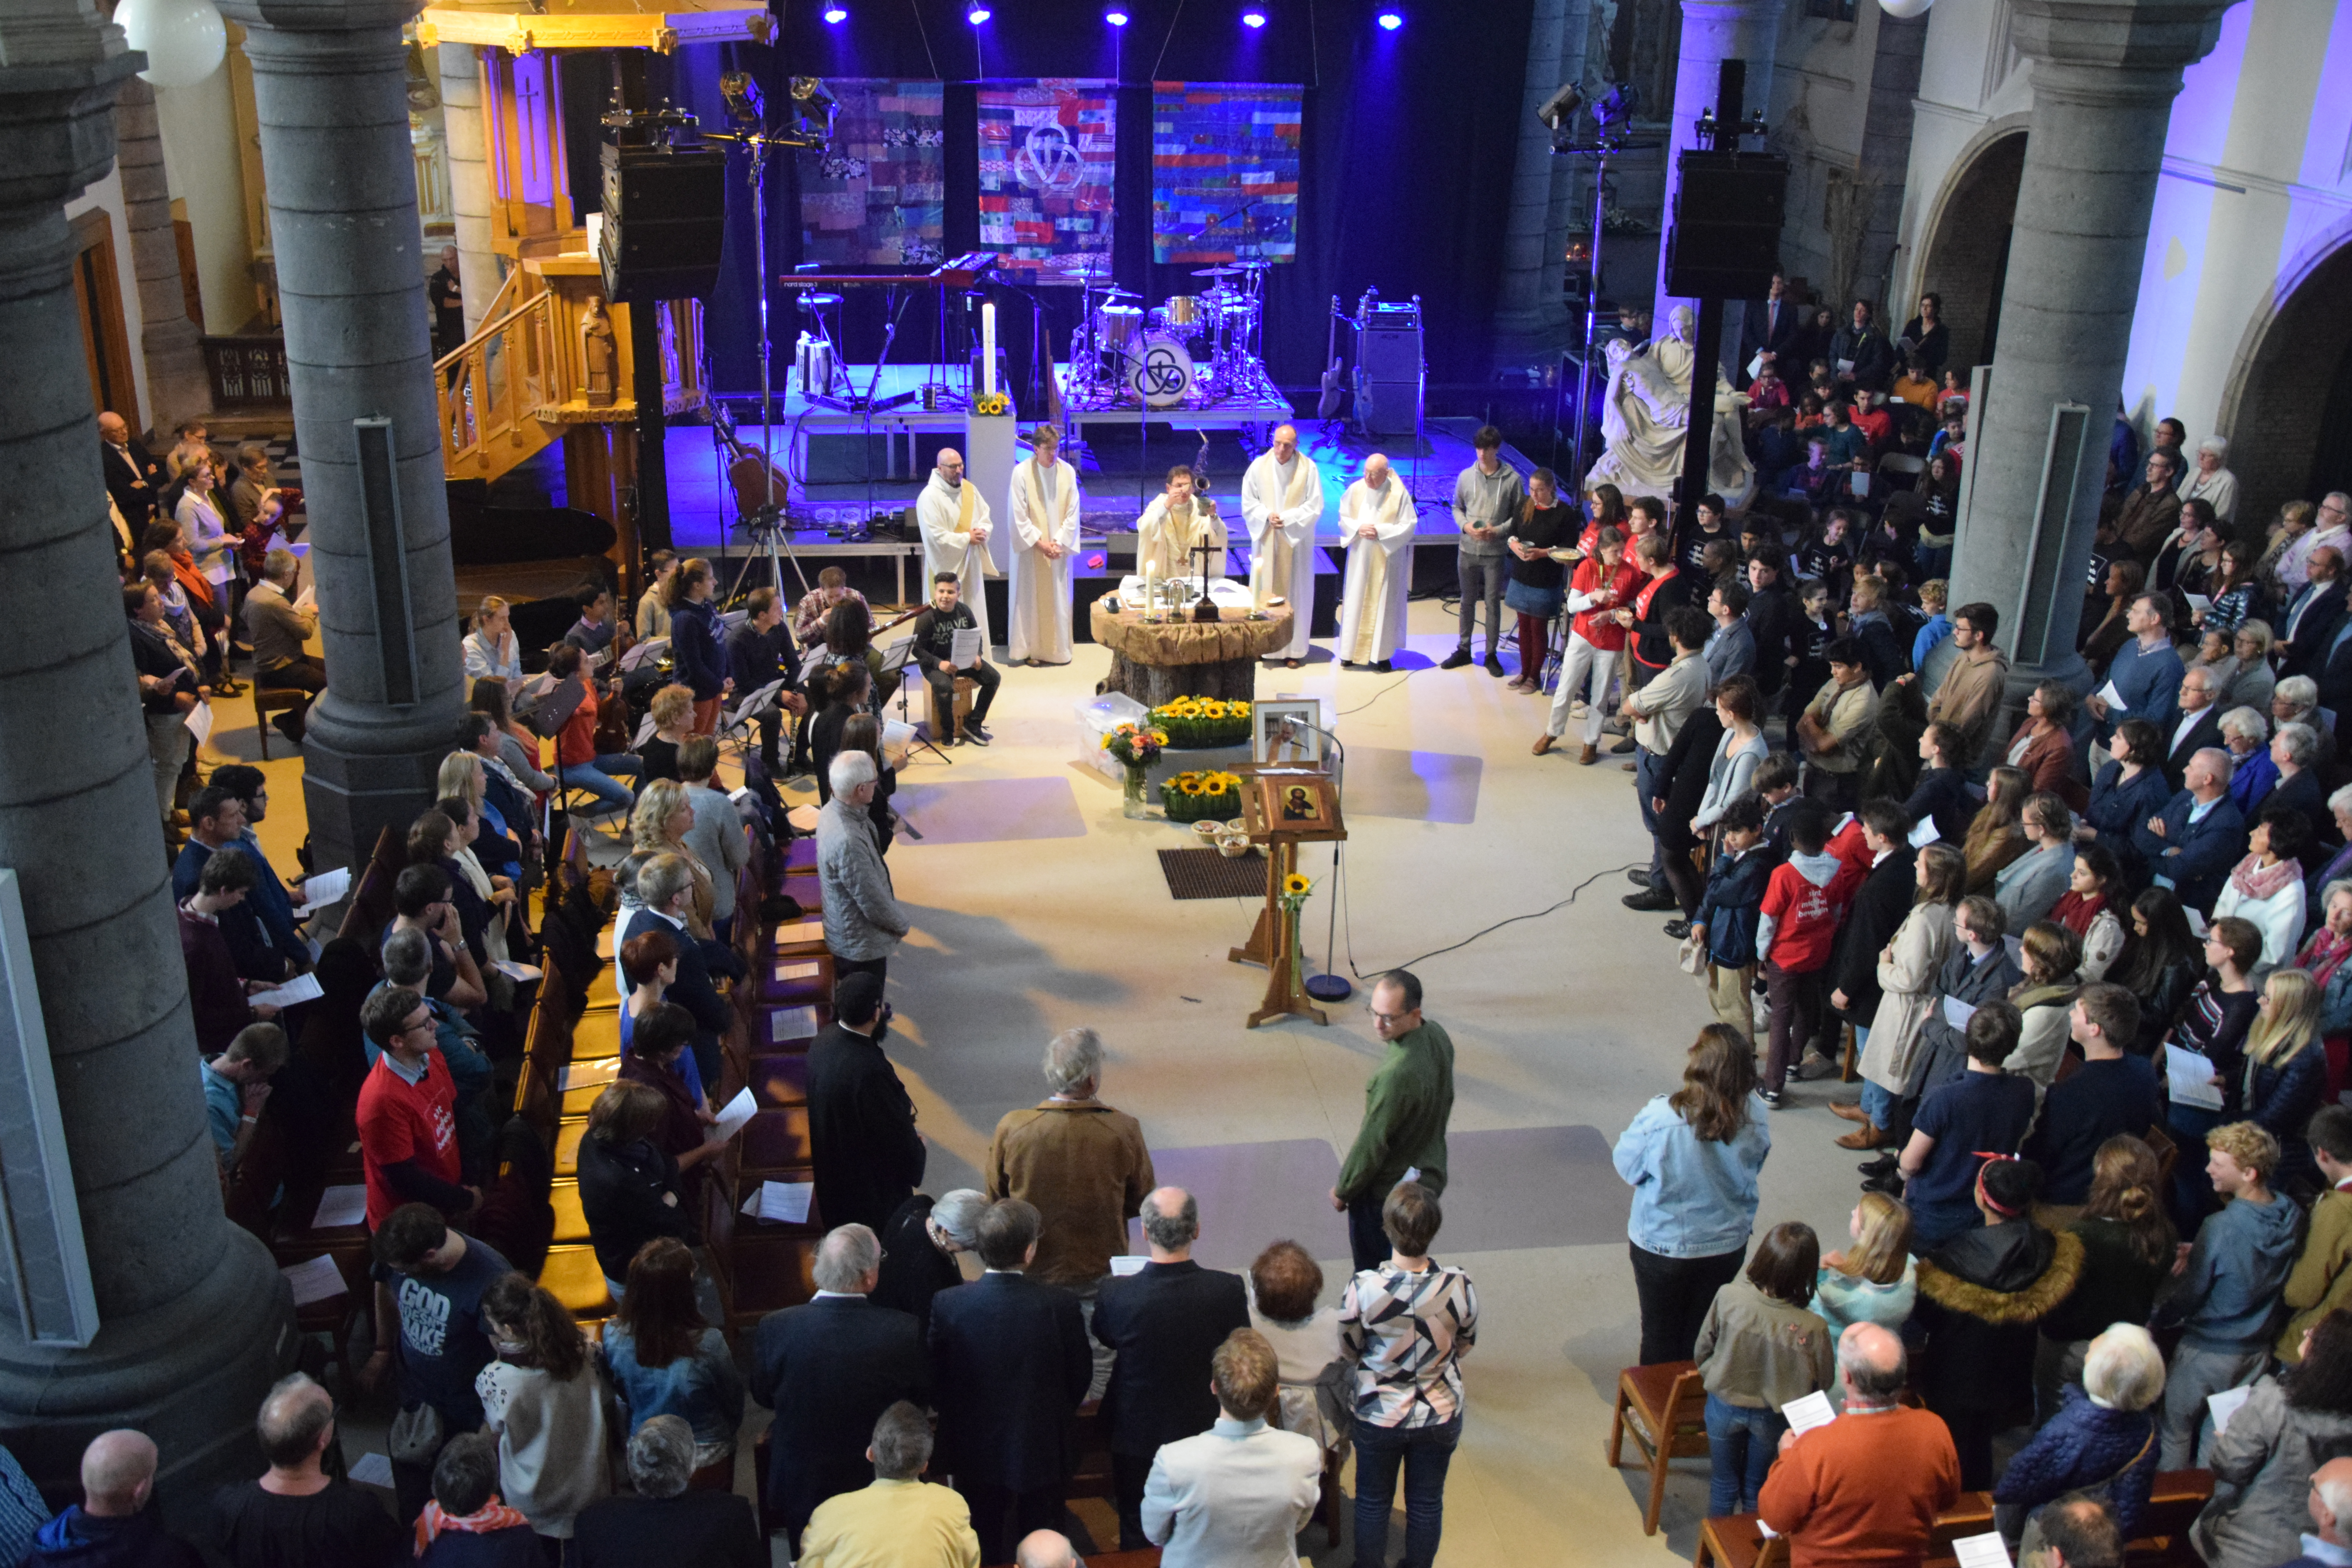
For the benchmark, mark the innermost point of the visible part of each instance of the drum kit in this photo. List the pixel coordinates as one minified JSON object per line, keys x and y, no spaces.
{"x":1193,"y":350}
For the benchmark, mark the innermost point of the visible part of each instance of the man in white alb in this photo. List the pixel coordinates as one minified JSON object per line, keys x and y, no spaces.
{"x":1377,"y":518}
{"x":1044,"y":505}
{"x":956,"y":525}
{"x":1176,"y":523}
{"x":1281,"y":502}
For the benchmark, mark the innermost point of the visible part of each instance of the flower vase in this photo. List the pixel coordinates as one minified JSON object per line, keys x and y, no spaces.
{"x":1136,"y":807}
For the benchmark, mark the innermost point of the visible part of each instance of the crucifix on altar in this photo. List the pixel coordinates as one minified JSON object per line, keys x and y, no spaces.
{"x":1206,"y":609}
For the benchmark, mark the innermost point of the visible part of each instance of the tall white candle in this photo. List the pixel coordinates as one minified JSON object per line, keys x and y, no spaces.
{"x":988,"y":347}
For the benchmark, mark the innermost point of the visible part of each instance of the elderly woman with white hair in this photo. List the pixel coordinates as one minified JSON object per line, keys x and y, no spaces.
{"x":2210,"y":480}
{"x":920,"y":1247}
{"x":2103,"y":1439}
{"x":863,"y":921}
{"x":2294,"y":752}
{"x":2247,"y":734}
{"x":2296,"y":700}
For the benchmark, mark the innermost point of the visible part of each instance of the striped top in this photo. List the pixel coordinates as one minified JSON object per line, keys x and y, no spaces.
{"x":1407,"y":1334}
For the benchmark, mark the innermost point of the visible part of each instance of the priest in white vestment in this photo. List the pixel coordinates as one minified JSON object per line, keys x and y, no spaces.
{"x":1377,"y":518}
{"x":1281,"y":502}
{"x":956,"y":525}
{"x":1044,"y":505}
{"x":1177,"y":522}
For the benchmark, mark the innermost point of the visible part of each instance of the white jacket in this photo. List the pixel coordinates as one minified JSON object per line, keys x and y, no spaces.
{"x":1234,"y":1496}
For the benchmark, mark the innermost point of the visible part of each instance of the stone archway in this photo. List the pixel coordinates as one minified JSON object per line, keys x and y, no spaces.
{"x":1967,"y":256}
{"x":2288,"y":408}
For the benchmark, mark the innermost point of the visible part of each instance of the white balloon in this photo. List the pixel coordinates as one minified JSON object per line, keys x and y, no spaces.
{"x":1904,"y":10}
{"x":183,"y":40}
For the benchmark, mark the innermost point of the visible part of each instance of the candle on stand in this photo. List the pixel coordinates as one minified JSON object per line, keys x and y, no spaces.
{"x":988,"y":347}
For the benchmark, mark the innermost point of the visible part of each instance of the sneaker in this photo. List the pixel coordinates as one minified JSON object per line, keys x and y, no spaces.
{"x":1772,"y":1098}
{"x":975,"y":734}
{"x":1638,"y":876}
{"x":1678,"y":928}
{"x":1494,"y":665}
{"x":1457,"y":658}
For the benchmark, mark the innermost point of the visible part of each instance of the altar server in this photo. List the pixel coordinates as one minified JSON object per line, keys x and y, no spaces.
{"x":956,"y":526}
{"x":1281,"y":502}
{"x":1176,"y":523}
{"x":1046,"y":508}
{"x":1377,"y":519}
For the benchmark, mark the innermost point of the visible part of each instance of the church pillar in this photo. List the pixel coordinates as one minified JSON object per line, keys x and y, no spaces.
{"x":177,"y":387}
{"x":2103,"y":80}
{"x":330,"y":91}
{"x":469,"y":178}
{"x":192,"y":1323}
{"x":1714,"y":31}
{"x":1530,"y":321}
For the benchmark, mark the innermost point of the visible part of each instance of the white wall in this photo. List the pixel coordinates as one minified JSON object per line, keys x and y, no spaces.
{"x":200,"y":158}
{"x":108,"y":193}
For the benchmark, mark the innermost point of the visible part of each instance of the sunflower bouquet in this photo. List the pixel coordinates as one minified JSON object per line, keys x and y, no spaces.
{"x":1193,"y":722}
{"x":1208,"y":797}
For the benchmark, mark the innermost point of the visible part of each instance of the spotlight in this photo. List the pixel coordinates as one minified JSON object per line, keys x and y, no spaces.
{"x":1390,"y":20}
{"x":1115,"y":17}
{"x":834,"y":15}
{"x":976,"y":16}
{"x":1252,"y":18}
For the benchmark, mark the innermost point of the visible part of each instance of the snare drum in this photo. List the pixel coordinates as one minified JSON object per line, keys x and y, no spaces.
{"x":1183,"y":310}
{"x":1158,"y":368}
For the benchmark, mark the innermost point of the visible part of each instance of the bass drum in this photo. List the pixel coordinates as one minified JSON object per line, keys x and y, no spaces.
{"x":1156,"y":368}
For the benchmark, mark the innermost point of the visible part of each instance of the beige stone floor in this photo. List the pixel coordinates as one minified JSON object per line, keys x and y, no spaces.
{"x":1575,"y":1018}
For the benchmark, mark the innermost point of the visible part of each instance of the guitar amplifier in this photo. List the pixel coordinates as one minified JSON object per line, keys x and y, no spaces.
{"x":664,"y":222}
{"x":1391,"y":354}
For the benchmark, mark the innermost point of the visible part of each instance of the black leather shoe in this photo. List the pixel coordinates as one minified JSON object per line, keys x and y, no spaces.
{"x":1638,"y":876}
{"x":1494,"y":665}
{"x":1457,"y":658}
{"x":1678,"y":928}
{"x":1651,"y":900}
{"x":1383,"y":667}
{"x":1882,"y":1166}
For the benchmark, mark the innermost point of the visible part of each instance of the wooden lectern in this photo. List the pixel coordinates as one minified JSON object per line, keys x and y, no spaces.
{"x":1284,"y":806}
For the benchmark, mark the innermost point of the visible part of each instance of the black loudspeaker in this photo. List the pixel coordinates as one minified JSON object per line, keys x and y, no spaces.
{"x":1726,"y":231}
{"x":664,"y":222}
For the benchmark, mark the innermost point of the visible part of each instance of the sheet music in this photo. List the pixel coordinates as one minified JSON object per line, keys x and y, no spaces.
{"x":652,"y":648}
{"x":317,"y":1281}
{"x":786,"y":1203}
{"x":340,"y":1207}
{"x":303,"y":987}
{"x":967,"y":650}
{"x":1987,"y":1551}
{"x":2225,"y":1405}
{"x":736,"y":1113}
{"x":199,"y":720}
{"x":2188,"y":1078}
{"x":792,"y":1023}
{"x":1813,"y":1410}
{"x":589,"y":1074}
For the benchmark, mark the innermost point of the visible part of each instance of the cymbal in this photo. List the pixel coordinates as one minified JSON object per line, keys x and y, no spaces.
{"x":1218,"y":272}
{"x":1116,"y":294}
{"x":1099,"y":268}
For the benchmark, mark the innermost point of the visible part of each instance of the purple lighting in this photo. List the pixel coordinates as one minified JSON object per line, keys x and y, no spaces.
{"x":1116,"y":18}
{"x":834,"y":15}
{"x":1252,"y":18}
{"x":976,"y":16}
{"x":1390,"y":20}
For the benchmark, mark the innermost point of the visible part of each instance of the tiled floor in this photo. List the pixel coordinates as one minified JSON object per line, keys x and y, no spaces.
{"x":1564,"y":1027}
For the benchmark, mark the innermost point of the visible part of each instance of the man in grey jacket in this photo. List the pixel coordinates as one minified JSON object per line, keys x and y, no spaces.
{"x":1487,"y":501}
{"x":717,"y":837}
{"x":863,"y":922}
{"x":2030,"y":887}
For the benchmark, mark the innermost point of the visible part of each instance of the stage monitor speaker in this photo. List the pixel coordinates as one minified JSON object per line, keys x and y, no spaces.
{"x":1726,"y":227}
{"x":1391,"y":354}
{"x":1389,"y":407}
{"x":664,"y":222}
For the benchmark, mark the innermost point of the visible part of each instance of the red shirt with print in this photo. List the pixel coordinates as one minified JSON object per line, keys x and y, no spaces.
{"x":399,"y":1122}
{"x":1805,"y":917}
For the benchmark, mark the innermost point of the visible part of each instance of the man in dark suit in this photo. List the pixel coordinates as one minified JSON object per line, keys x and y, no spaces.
{"x":2314,"y":617}
{"x":861,"y":1122}
{"x":1011,"y":1366}
{"x":2198,"y":836}
{"x":828,"y":1370}
{"x":132,"y":478}
{"x":2199,"y":726}
{"x":665,"y":889}
{"x":1878,"y":907}
{"x":1771,"y":325}
{"x":1164,"y":1321}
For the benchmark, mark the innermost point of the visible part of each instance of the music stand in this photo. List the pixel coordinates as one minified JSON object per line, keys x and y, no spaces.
{"x":895,"y":660}
{"x":737,"y":726}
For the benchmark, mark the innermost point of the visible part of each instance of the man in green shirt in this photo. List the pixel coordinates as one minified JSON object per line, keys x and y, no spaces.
{"x":1407,"y":1102}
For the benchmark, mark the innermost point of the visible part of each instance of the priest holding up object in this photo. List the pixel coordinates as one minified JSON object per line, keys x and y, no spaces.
{"x":956,"y":524}
{"x":1175,"y":524}
{"x":1377,"y":518}
{"x":1281,"y":502}
{"x":1045,"y":505}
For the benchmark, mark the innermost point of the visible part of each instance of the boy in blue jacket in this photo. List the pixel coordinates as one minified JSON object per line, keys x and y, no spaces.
{"x":1729,"y":910}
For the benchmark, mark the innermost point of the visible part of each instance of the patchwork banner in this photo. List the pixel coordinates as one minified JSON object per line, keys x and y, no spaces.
{"x":879,"y":197}
{"x":1225,"y":172}
{"x":1048,"y":158}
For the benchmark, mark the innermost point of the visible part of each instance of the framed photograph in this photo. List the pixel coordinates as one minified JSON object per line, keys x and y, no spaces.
{"x":1285,"y":732}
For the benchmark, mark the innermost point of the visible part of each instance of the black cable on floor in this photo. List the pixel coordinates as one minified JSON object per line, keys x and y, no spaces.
{"x":1347,"y":918}
{"x":1376,"y":696}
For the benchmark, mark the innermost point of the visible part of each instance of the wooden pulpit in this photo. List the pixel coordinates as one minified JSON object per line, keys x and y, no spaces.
{"x":1283,"y":805}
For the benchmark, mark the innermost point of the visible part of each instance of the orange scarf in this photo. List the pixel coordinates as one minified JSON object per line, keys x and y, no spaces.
{"x":492,"y":1515}
{"x":194,"y":582}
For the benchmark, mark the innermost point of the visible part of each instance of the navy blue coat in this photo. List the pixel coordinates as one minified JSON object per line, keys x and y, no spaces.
{"x":1010,"y":1367}
{"x":2081,"y":1446}
{"x":1731,"y":905}
{"x":699,"y":656}
{"x":2207,"y":848}
{"x":2118,"y":809}
{"x":1165,"y":1322}
{"x":828,"y":1369}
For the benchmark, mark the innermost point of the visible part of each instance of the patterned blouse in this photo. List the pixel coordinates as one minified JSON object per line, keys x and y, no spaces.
{"x":1407,"y":1334}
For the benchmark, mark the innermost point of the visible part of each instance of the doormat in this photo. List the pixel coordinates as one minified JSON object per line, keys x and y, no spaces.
{"x":1207,"y":874}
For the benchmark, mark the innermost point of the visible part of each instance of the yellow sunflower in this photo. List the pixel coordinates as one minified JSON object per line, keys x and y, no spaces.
{"x":1188,"y":777}
{"x":1190,"y":786}
{"x":1159,"y":737}
{"x":1240,"y":708}
{"x":1212,"y":709}
{"x":1297,"y":885}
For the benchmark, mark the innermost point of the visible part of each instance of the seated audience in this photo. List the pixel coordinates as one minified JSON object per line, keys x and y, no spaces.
{"x":543,"y":1401}
{"x":429,"y":1282}
{"x":2128,"y":1253}
{"x":2264,"y":1465}
{"x":665,"y":886}
{"x":1237,"y":1495}
{"x":673,"y":715}
{"x":421,"y":902}
{"x":2103,"y":1439}
{"x":1759,"y":1349}
{"x":467,"y":1524}
{"x":296,"y":1512}
{"x":1876,"y":1279}
{"x":2321,"y":1280}
{"x":663,"y":1359}
{"x":829,"y":1369}
{"x":1868,"y":1486}
{"x":2191,"y":844}
{"x":2226,"y":1297}
{"x":113,"y":1526}
{"x":663,"y":1519}
{"x":899,"y":1519}
{"x":236,"y":1085}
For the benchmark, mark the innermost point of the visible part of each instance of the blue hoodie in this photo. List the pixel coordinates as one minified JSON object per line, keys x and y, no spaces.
{"x":2229,"y":1293}
{"x":135,"y":1540}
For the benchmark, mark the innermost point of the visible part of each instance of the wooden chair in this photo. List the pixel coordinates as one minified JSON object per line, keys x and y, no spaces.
{"x":2173,"y":1505}
{"x":268,"y":699}
{"x":1736,"y":1541}
{"x":573,"y":1276}
{"x":1664,"y":1408}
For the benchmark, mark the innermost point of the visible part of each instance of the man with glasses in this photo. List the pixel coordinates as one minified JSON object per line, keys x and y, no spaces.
{"x":408,"y":1113}
{"x":1407,"y":1102}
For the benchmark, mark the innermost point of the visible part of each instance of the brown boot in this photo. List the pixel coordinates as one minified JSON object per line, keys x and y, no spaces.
{"x":1866,"y":1136}
{"x":1851,"y":1110}
{"x":1587,"y":756}
{"x":1543,"y":744}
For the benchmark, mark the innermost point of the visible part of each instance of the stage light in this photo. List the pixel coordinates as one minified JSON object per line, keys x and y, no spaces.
{"x":976,"y":16}
{"x":1117,"y":18}
{"x":1252,"y":18}
{"x":1392,"y":20}
{"x":834,"y":15}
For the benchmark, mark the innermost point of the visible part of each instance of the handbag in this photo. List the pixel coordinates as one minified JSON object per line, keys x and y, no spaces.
{"x":1692,"y":954}
{"x":416,"y":1436}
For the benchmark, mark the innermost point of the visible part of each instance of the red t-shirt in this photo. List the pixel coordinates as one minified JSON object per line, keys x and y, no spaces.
{"x":1805,"y":917}
{"x":1849,"y":845}
{"x":400,"y":1121}
{"x":575,"y":744}
{"x":1606,"y":637}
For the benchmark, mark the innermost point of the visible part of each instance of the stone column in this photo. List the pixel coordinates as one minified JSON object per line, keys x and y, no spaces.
{"x":177,"y":387}
{"x":2103,"y":80}
{"x":1714,"y":31}
{"x":1530,"y":322}
{"x":469,"y":178}
{"x":195,"y":1321}
{"x":330,"y":91}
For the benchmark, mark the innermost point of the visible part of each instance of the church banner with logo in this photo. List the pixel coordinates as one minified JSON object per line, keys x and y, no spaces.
{"x":1048,"y":159}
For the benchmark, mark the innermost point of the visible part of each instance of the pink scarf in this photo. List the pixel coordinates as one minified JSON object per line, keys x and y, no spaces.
{"x":2257,"y":881}
{"x":2324,"y":954}
{"x":492,"y":1515}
